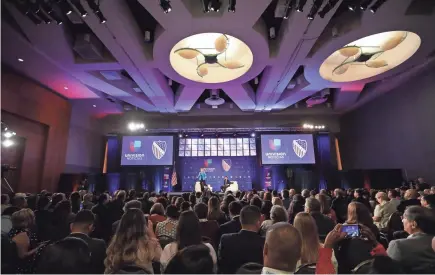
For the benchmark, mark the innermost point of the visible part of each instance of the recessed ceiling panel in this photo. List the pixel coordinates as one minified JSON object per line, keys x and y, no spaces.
{"x":370,"y":56}
{"x":211,"y":58}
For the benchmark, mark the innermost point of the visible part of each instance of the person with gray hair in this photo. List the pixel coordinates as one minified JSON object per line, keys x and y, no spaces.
{"x":282,"y":249}
{"x":383,"y":210}
{"x":277,"y":214}
{"x":324,"y":223}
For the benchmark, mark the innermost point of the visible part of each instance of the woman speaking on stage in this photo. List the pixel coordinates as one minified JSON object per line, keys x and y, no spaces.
{"x":202,"y":176}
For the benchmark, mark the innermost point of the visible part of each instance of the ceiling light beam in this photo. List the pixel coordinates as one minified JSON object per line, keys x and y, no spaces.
{"x":375,"y":7}
{"x":314,"y":9}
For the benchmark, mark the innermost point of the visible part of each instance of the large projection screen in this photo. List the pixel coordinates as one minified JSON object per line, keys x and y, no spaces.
{"x":287,"y":149}
{"x":147,"y":150}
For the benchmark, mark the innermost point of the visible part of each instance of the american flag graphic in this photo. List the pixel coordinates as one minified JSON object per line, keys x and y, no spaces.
{"x":159,"y":149}
{"x":174,"y":177}
{"x":300,"y":147}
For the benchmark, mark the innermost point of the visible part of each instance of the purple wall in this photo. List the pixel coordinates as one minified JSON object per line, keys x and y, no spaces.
{"x":396,"y":130}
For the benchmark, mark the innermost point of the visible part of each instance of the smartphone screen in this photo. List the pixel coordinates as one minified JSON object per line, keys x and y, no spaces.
{"x":352,"y":230}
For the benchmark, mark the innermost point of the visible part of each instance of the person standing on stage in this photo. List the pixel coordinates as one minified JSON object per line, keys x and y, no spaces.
{"x":202,"y":176}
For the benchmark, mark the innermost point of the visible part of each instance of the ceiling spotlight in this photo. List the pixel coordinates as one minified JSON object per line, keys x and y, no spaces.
{"x":287,"y":10}
{"x":180,"y":135}
{"x":215,"y":5}
{"x":231,"y":5}
{"x":365,"y":4}
{"x":8,"y":134}
{"x":64,"y":7}
{"x":20,"y":60}
{"x":166,"y":6}
{"x":7,"y":143}
{"x":96,"y":9}
{"x":79,"y":8}
{"x":252,"y":134}
{"x":95,"y":106}
{"x":36,"y":9}
{"x":66,"y":88}
{"x":352,"y":6}
{"x":205,"y":6}
{"x":374,"y":8}
{"x":300,"y":5}
{"x":329,"y":6}
{"x":314,"y":9}
{"x":256,"y":81}
{"x":272,"y":33}
{"x":202,"y":134}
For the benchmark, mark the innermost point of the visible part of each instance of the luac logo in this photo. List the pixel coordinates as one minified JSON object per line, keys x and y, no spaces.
{"x":207,"y":162}
{"x":135,"y":146}
{"x":159,"y":148}
{"x":300,"y":147}
{"x":275,"y":144}
{"x":226,"y":164}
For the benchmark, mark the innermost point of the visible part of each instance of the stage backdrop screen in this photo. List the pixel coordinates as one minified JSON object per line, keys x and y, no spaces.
{"x":287,"y":149}
{"x":147,"y":150}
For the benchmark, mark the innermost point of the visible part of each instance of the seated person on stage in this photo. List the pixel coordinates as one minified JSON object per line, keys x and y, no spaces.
{"x":227,"y":184}
{"x":202,"y":176}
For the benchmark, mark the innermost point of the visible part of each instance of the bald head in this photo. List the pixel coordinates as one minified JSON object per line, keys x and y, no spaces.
{"x":282,"y":249}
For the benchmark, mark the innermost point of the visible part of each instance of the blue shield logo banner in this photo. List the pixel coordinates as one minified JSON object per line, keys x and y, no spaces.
{"x":226,"y":164}
{"x":300,"y":147}
{"x":159,"y":149}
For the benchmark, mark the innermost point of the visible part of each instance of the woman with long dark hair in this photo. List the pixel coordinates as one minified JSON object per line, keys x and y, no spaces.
{"x":133,"y":245}
{"x":358,"y":213}
{"x":214,"y":211}
{"x":188,"y":233}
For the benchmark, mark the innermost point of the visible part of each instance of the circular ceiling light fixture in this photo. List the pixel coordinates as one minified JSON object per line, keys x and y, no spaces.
{"x":211,"y":58}
{"x":370,"y":56}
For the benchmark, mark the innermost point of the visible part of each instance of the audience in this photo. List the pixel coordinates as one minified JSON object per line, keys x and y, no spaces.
{"x":68,"y":256}
{"x":168,"y":227}
{"x":339,"y":205}
{"x":358,"y":213}
{"x":306,"y":225}
{"x":234,"y":225}
{"x":188,"y":233}
{"x":81,"y":227}
{"x":383,"y":211}
{"x":245,"y":246}
{"x":324,"y":223}
{"x":25,"y":238}
{"x":209,"y":229}
{"x":277,"y":214}
{"x":282,"y":249}
{"x":194,"y":259}
{"x":133,"y":204}
{"x":214,"y":211}
{"x":57,"y":233}
{"x":134,"y":245}
{"x":415,"y":253}
{"x":410,"y":198}
{"x":297,"y":205}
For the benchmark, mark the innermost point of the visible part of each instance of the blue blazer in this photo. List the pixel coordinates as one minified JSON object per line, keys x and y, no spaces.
{"x":202,"y":176}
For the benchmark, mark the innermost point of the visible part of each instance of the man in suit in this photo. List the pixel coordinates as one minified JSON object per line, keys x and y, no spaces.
{"x":233,"y":226}
{"x":282,"y":249}
{"x":324,"y":223}
{"x":339,"y":205}
{"x":226,"y":184}
{"x":411,"y":198}
{"x":415,"y":253}
{"x":81,"y":227}
{"x":246,"y":246}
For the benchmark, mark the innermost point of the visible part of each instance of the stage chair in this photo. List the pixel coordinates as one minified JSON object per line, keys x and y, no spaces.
{"x":234,"y":187}
{"x":198,"y":187}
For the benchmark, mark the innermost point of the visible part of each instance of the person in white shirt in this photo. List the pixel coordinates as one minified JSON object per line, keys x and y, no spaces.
{"x":383,"y":210}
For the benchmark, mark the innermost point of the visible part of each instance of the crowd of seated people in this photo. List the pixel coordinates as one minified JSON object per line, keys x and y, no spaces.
{"x":252,"y":232}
